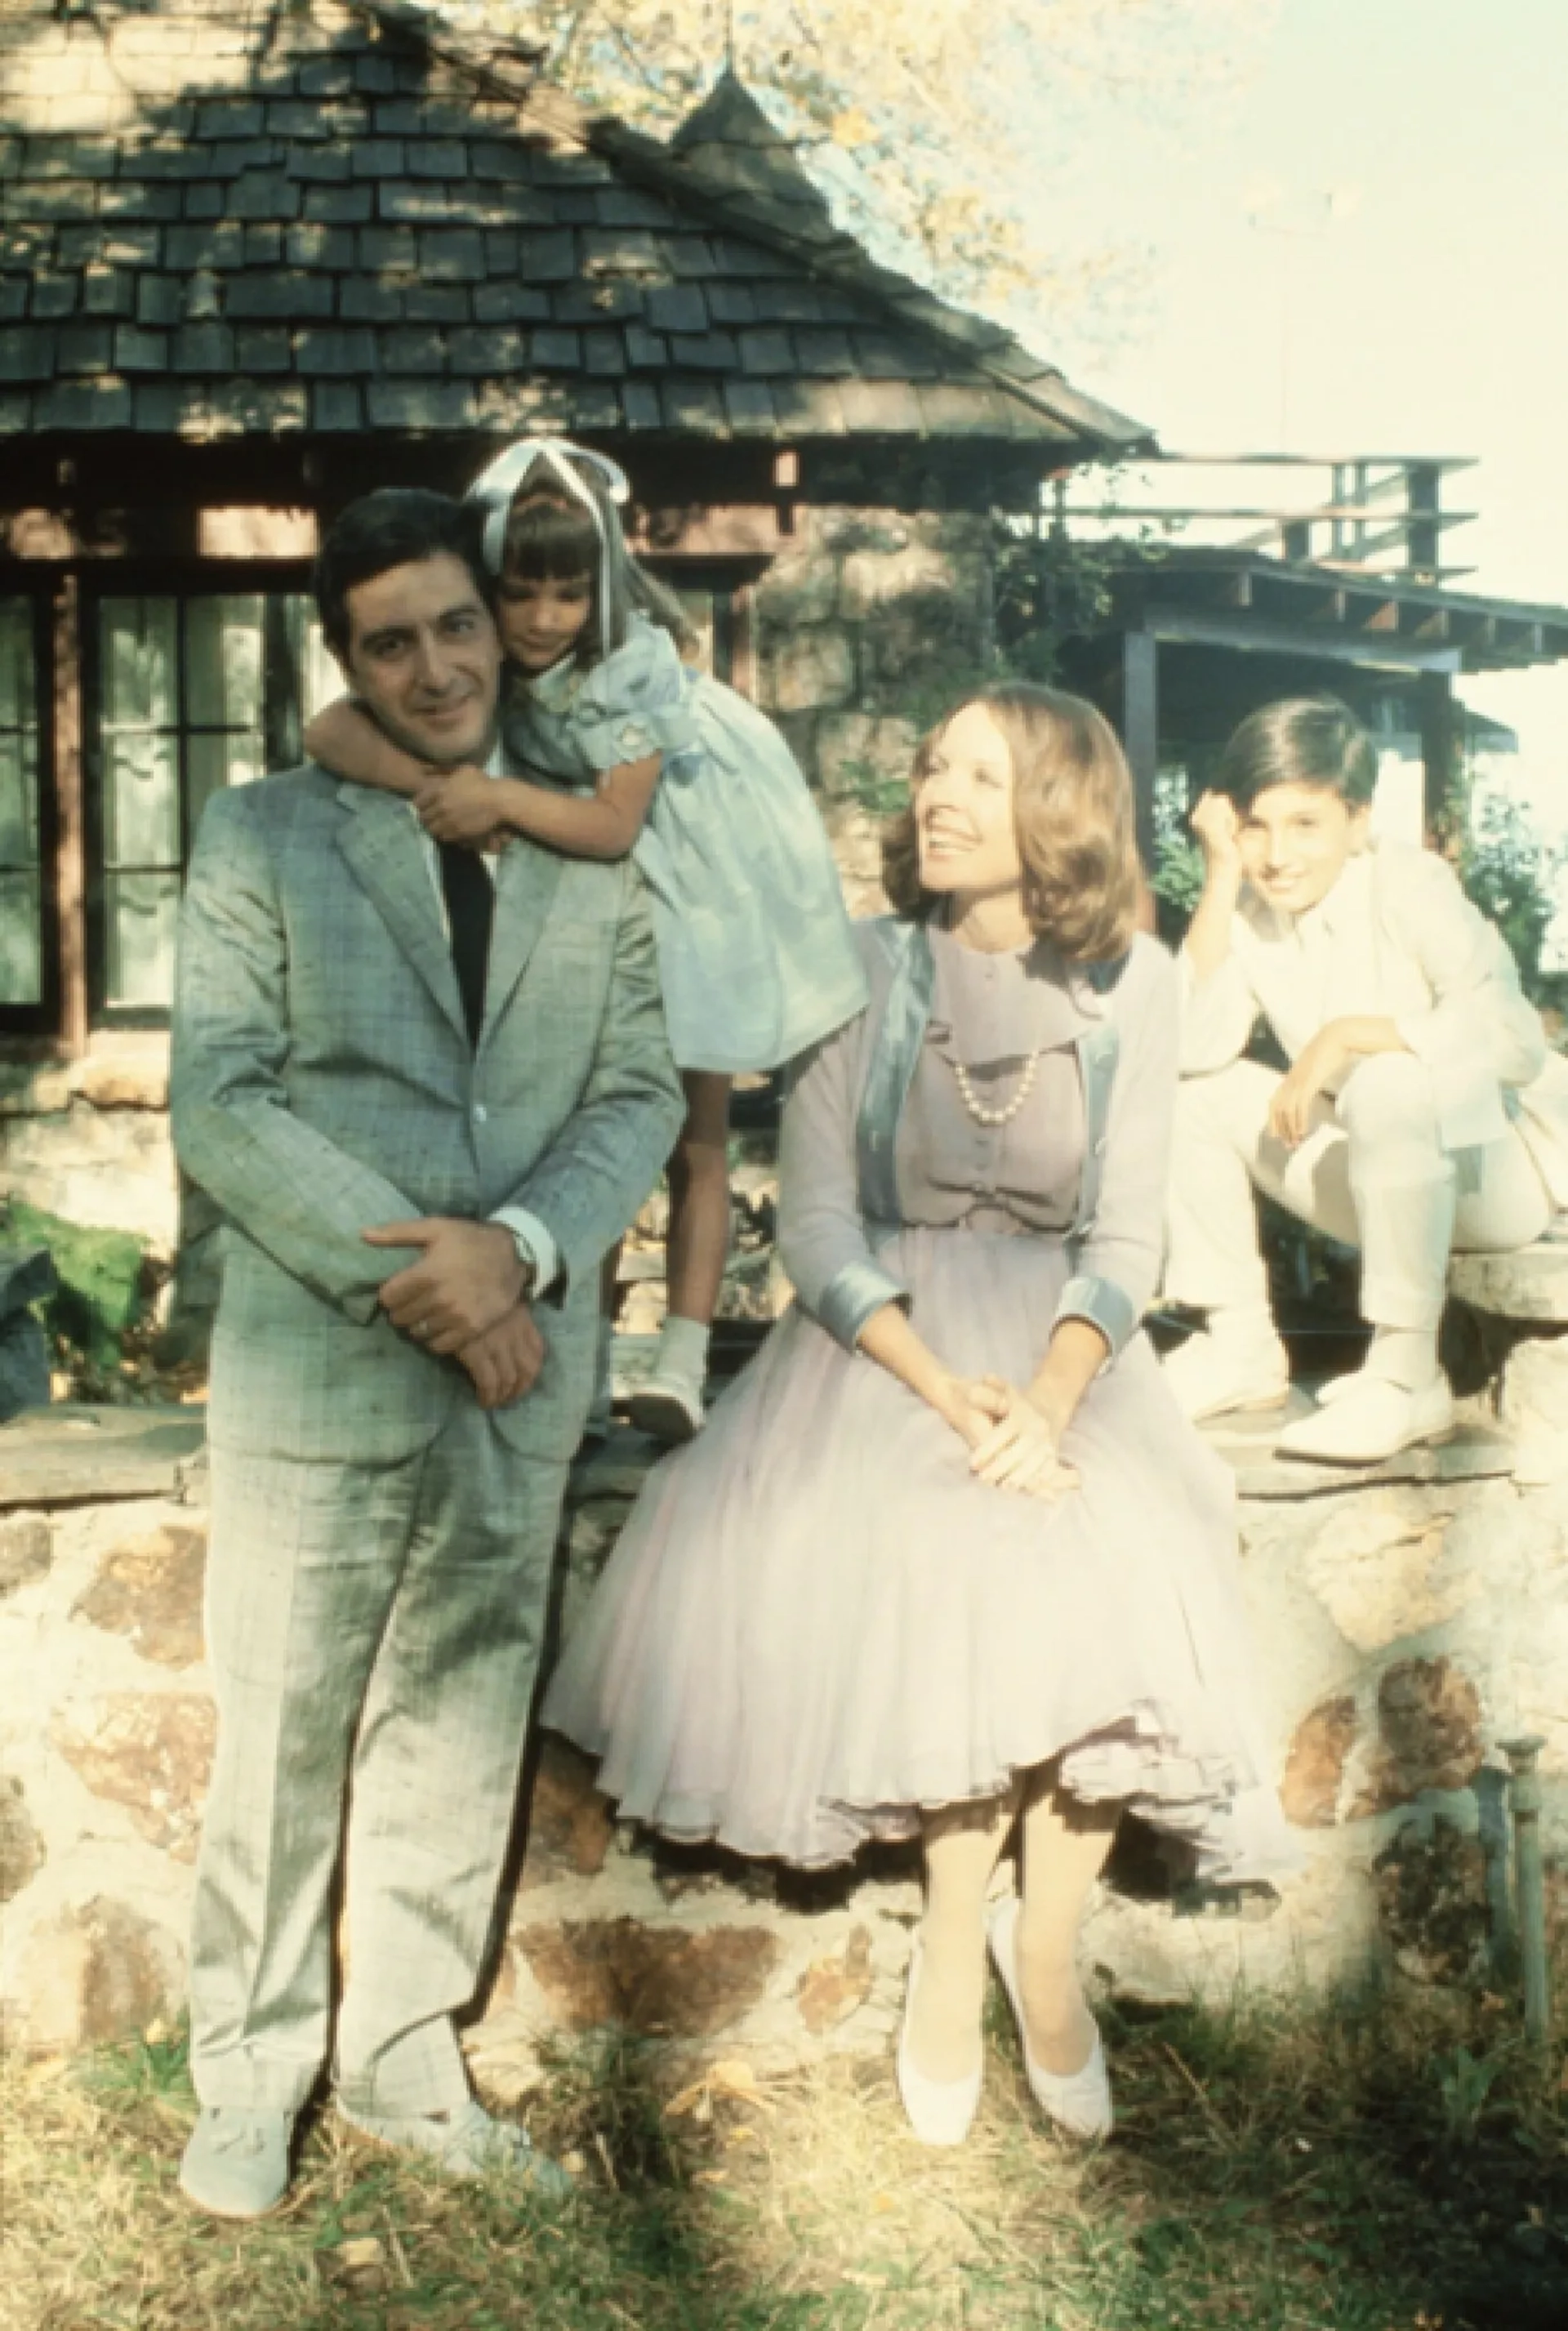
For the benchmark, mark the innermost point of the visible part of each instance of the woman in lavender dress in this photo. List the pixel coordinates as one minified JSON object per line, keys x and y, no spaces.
{"x":950,"y":1558}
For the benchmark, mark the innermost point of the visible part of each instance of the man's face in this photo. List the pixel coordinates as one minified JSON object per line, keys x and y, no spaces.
{"x":424,"y":660}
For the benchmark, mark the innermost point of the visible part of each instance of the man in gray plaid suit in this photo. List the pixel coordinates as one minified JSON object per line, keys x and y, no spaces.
{"x":427,"y":1089}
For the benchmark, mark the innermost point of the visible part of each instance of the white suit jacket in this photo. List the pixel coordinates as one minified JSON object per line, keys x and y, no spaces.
{"x":1396,"y":937}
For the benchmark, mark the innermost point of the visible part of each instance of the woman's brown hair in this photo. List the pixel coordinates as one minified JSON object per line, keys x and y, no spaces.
{"x":1072,"y":807}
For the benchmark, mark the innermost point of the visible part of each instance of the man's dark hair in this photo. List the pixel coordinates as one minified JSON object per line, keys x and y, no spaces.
{"x":395,"y":527}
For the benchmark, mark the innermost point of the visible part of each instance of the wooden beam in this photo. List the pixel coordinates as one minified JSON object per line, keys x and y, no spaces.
{"x":1440,"y":754}
{"x":38,"y":533}
{"x":70,"y":811}
{"x":1378,"y":650}
{"x":242,"y":533}
{"x":1477,"y":631}
{"x":737,"y":530}
{"x":743,"y":643}
{"x":1141,"y":730}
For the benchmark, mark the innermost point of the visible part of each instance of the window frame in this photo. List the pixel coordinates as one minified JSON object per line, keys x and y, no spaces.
{"x":43,"y":1019}
{"x":147,"y":579}
{"x":74,"y":995}
{"x":729,"y":582}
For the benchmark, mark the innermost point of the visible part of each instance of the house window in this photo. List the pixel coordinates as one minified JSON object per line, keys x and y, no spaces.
{"x":193,"y":694}
{"x":22,"y":970}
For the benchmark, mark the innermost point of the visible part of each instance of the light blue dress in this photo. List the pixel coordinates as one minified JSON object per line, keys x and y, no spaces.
{"x":756,"y":952}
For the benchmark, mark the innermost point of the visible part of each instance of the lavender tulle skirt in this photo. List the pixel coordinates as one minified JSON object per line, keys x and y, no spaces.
{"x":817,"y":1623}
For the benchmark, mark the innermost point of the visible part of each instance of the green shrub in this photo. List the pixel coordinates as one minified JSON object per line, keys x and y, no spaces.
{"x":102,"y":1291}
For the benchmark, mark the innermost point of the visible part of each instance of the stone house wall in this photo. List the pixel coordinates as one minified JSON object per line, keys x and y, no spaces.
{"x":89,"y":1139}
{"x":868,"y":627}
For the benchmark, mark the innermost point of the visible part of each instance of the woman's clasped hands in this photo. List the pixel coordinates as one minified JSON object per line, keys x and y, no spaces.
{"x":1012,"y":1442}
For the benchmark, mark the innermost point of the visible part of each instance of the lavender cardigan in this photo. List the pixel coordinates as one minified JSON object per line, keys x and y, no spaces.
{"x":838,"y":1202}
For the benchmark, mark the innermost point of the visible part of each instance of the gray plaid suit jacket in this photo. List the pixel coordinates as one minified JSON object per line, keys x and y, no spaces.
{"x":323,"y":1082}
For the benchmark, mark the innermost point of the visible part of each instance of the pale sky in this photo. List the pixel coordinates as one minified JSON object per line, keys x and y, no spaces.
{"x":1420,"y":149}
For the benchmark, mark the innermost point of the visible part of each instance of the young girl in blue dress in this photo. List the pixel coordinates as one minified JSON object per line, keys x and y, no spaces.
{"x":629,"y":748}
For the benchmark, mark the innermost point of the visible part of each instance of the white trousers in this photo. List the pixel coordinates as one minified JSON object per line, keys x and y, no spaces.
{"x":1371,"y":1172}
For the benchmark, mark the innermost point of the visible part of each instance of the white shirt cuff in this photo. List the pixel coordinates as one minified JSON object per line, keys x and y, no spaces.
{"x":535,"y":1246}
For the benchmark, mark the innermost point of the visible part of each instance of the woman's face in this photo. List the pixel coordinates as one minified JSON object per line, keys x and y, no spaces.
{"x":542,"y":617}
{"x":1294,"y":841}
{"x":963,"y":816}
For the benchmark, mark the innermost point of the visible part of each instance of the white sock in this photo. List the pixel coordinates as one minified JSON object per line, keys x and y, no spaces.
{"x":683,"y":1348}
{"x":1249,"y":1325}
{"x":1407,"y":1356}
{"x":602,"y":1408}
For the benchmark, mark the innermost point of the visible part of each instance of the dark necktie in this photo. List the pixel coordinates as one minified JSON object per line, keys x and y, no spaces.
{"x":470,"y":906}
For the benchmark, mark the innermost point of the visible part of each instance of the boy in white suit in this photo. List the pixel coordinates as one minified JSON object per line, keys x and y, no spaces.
{"x":1421,"y":1112}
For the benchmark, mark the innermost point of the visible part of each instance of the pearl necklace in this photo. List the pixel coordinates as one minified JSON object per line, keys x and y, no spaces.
{"x":995,"y":1117}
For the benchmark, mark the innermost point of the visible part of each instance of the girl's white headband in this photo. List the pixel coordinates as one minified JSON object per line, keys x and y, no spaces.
{"x":497,"y":487}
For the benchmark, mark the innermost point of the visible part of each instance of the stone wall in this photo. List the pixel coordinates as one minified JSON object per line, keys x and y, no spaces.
{"x":1407,"y":1622}
{"x":869,"y":624}
{"x":88,"y":1140}
{"x":106,"y":1718}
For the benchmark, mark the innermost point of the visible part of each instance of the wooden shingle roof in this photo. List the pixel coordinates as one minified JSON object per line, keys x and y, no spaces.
{"x":327,"y":216}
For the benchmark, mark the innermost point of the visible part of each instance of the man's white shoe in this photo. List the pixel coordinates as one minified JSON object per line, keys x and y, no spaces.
{"x":236,"y":2162}
{"x":1220,"y":1375}
{"x":467,"y":2143}
{"x":1368,"y":1418}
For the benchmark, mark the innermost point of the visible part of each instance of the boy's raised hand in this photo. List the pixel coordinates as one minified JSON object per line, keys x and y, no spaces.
{"x":1213,"y":820}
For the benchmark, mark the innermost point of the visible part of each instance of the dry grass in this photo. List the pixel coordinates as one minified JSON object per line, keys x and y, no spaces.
{"x":1342,"y":2171}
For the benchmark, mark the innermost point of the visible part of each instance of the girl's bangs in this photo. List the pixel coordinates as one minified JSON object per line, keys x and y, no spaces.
{"x":552,"y":541}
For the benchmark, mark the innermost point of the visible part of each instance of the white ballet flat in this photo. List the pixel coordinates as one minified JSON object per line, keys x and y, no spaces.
{"x":940,"y":2112}
{"x":1077,"y":2102}
{"x":668,"y":1408}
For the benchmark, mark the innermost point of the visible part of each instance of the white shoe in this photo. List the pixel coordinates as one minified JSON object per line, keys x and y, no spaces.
{"x":940,"y":2112}
{"x":467,"y":2143}
{"x":1365,"y":1418}
{"x":1077,"y":2102}
{"x":1219,"y":1375}
{"x":668,"y":1408}
{"x":237,"y":2161}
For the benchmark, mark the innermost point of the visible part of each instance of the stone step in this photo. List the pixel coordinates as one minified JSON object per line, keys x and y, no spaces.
{"x":1531,"y":1283}
{"x":72,"y":1453}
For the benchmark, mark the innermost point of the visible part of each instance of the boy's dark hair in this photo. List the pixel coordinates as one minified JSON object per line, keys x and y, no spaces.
{"x":395,"y":527}
{"x":1302,"y":740}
